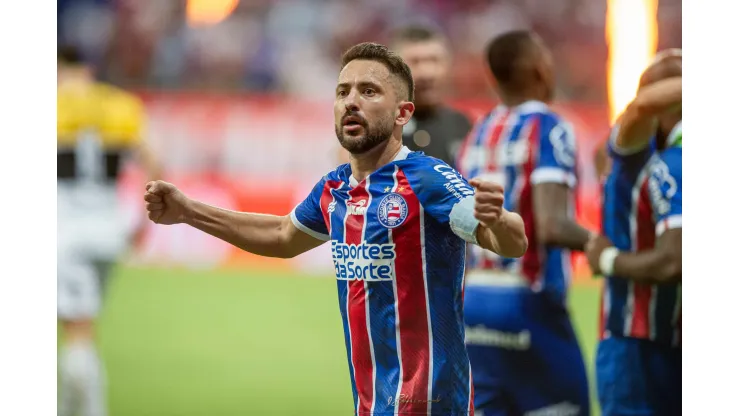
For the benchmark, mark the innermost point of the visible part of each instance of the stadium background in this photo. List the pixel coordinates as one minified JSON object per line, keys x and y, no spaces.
{"x":238,"y":95}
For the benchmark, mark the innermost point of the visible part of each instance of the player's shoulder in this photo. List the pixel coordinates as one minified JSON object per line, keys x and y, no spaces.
{"x":340,"y":174}
{"x":548,"y":120}
{"x":421,"y":162}
{"x":423,"y":171}
{"x":118,"y":97}
{"x":672,"y":157}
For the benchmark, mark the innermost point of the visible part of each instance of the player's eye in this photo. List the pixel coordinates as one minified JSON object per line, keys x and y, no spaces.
{"x":368,"y":91}
{"x":341,"y":93}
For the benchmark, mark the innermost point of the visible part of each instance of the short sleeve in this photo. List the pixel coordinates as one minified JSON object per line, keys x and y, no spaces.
{"x":307,"y":216}
{"x":665,"y":190}
{"x":557,"y":155}
{"x":446,"y":196}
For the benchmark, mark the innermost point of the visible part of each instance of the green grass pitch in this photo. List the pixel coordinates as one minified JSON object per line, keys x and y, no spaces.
{"x":236,"y":343}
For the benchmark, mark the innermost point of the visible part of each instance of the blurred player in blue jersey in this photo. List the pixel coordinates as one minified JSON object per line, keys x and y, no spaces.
{"x":398,"y":222}
{"x":639,"y":357}
{"x":522,"y":347}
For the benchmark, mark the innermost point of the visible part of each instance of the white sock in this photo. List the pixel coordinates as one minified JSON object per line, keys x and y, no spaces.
{"x":82,"y":384}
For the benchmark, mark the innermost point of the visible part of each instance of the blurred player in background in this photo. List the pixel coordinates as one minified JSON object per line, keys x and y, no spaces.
{"x":98,"y":126}
{"x":522,"y":347}
{"x":638,"y":363}
{"x":434,"y":128}
{"x":398,"y":222}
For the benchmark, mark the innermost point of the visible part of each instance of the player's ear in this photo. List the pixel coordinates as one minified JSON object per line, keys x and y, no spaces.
{"x":540,"y":71}
{"x":404,"y":113}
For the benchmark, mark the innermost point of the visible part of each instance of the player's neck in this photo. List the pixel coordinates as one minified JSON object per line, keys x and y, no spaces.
{"x":515,"y":99}
{"x":366,"y":163}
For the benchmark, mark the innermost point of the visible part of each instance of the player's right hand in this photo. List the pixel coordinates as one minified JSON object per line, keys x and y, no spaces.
{"x":165,"y":204}
{"x":489,"y":201}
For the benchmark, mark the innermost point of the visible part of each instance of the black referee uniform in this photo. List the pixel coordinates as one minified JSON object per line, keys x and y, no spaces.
{"x":437,"y":132}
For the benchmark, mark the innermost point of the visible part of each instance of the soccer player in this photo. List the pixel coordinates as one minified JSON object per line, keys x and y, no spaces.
{"x":398,"y":222}
{"x":435,"y":128}
{"x":638,"y":363}
{"x":98,"y":126}
{"x":522,"y":347}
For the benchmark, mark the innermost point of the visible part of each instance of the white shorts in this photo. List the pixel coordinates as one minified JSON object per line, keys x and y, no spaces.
{"x":91,"y":232}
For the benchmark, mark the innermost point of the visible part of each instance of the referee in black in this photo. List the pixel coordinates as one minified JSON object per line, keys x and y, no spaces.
{"x":435,"y":128}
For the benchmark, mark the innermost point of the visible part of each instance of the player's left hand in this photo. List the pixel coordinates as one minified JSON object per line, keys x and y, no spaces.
{"x":593,"y":251}
{"x":489,"y":202}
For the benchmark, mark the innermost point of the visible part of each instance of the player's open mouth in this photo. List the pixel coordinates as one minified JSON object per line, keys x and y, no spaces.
{"x":352,"y":123}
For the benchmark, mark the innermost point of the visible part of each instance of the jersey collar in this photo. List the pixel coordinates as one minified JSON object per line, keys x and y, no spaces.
{"x":401,"y":155}
{"x":528,"y":107}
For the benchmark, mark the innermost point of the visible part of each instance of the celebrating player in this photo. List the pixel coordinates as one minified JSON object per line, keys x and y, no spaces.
{"x":639,"y":357}
{"x":523,"y":350}
{"x":398,"y":222}
{"x":97,"y":127}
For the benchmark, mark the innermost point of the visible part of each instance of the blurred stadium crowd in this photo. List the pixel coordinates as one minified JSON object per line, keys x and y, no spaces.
{"x":142,"y":43}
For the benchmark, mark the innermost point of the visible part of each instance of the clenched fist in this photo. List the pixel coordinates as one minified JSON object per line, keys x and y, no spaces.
{"x":489,"y":202}
{"x":165,"y":203}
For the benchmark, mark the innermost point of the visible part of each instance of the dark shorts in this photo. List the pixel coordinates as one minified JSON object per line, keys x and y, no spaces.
{"x":638,"y":378}
{"x":524,"y":354}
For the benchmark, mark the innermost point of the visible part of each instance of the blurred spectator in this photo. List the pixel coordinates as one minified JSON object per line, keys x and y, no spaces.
{"x":292,"y":46}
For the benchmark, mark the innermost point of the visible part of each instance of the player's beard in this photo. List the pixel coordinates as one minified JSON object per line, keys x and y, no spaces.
{"x":372,"y":137}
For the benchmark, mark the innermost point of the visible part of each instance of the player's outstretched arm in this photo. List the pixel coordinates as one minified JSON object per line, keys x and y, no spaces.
{"x":662,"y":264}
{"x":500,"y":231}
{"x":637,"y":124}
{"x":264,"y":235}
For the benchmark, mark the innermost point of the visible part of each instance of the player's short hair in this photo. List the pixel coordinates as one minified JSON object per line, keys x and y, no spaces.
{"x":369,"y":51}
{"x":69,"y":55}
{"x":415,"y":33}
{"x":508,"y":54}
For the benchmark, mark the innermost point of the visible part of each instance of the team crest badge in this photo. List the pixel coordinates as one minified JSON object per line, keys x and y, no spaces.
{"x":392,"y":210}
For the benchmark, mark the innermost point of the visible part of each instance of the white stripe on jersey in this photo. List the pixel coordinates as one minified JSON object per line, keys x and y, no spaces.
{"x":673,"y":221}
{"x":605,"y":310}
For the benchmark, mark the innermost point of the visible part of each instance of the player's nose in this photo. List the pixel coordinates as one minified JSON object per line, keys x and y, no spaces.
{"x":351,"y":106}
{"x":352,"y":100}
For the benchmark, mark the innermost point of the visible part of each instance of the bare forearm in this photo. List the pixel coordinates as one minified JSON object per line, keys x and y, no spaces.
{"x":554,"y":224}
{"x":566,"y":233}
{"x":663,"y":96}
{"x":507,"y":238}
{"x":256,"y":233}
{"x":651,"y":266}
